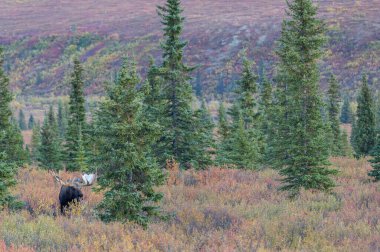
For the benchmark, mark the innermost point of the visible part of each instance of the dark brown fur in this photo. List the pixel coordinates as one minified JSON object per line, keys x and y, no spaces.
{"x":67,"y":195}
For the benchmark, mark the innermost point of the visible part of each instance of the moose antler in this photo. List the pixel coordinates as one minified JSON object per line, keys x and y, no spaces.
{"x":57,"y":178}
{"x":87,"y":180}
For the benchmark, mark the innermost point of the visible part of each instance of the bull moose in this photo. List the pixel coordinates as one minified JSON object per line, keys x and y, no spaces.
{"x":71,"y":189}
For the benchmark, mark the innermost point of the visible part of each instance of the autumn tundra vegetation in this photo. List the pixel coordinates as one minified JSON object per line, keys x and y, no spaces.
{"x":282,"y":166}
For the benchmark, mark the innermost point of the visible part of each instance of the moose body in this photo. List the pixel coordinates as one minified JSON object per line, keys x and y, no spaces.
{"x":67,"y":195}
{"x":71,"y":189}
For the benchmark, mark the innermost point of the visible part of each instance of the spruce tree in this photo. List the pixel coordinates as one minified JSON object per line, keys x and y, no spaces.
{"x":11,"y":142}
{"x":61,"y":120}
{"x":345,"y":144}
{"x":242,"y":147}
{"x":153,"y":96}
{"x":50,"y":156}
{"x":237,"y":149}
{"x":223,"y":125}
{"x":377,"y":112}
{"x":36,"y":142}
{"x":128,"y":169}
{"x":364,"y":132}
{"x":204,"y":139}
{"x":8,"y":171}
{"x":31,"y":122}
{"x":266,"y":104}
{"x":198,"y":85}
{"x":21,"y":120}
{"x":178,"y":116}
{"x":346,"y":112}
{"x":81,"y":158}
{"x":246,"y":92}
{"x":301,"y":151}
{"x":77,"y":118}
{"x":336,"y":140}
{"x":375,"y":162}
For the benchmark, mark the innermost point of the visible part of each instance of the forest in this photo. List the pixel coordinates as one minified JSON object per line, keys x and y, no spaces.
{"x":157,"y":164}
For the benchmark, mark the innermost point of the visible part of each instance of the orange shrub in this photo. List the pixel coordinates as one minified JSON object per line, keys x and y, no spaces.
{"x":213,"y":210}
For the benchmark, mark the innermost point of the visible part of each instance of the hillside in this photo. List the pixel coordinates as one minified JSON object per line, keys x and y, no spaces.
{"x":42,"y":36}
{"x":214,"y":210}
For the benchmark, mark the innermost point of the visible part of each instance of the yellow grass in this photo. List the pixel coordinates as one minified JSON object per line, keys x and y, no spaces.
{"x":214,"y":210}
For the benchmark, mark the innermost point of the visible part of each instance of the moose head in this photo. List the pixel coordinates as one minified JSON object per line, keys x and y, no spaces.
{"x":71,"y":189}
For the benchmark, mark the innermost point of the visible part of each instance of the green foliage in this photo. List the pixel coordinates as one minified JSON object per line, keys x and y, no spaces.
{"x":31,"y":122}
{"x":375,"y":161}
{"x":203,"y":139}
{"x":62,"y":120}
{"x":178,"y":117}
{"x":12,"y":154}
{"x":77,"y":119}
{"x":247,"y":89}
{"x":266,"y":104}
{"x":300,"y":149}
{"x":50,"y":151}
{"x":8,"y":172}
{"x":223,"y":125}
{"x":21,"y":120}
{"x":198,"y":85}
{"x":81,"y":158}
{"x":364,"y":135}
{"x":36,"y":142}
{"x":239,"y":149}
{"x":377,"y":112}
{"x":337,"y":139}
{"x":153,"y":96}
{"x":11,"y":143}
{"x":241,"y":145}
{"x":128,"y":170}
{"x":347,"y":150}
{"x":346,"y":113}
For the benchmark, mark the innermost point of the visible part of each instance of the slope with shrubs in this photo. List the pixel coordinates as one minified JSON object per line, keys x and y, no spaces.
{"x":39,"y":54}
{"x":214,"y":210}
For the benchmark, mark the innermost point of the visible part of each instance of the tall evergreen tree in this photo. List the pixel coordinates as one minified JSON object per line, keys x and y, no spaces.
{"x":11,"y":152}
{"x":346,"y":113}
{"x":247,"y":90}
{"x":61,"y":120}
{"x":198,"y":85}
{"x":77,"y":117}
{"x":237,"y":149}
{"x":178,"y":116}
{"x":364,"y":131}
{"x":31,"y":122}
{"x":204,"y":138}
{"x":375,"y":162}
{"x":50,"y":156}
{"x":21,"y":120}
{"x":7,"y":180}
{"x":266,"y":104}
{"x":377,"y":112}
{"x":128,"y":170}
{"x":153,"y":93}
{"x":336,"y":141}
{"x":301,"y":151}
{"x":223,"y":125}
{"x":36,"y":142}
{"x":244,"y":132}
{"x":82,"y":157}
{"x":11,"y":142}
